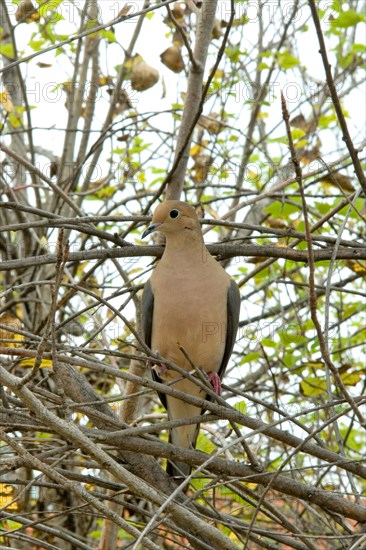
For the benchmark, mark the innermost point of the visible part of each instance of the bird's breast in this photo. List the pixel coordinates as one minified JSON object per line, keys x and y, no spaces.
{"x":191,"y":311}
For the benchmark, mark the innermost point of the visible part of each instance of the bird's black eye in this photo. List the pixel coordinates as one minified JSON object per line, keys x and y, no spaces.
{"x":174,"y":213}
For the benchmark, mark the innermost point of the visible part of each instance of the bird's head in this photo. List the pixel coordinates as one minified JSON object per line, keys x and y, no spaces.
{"x":173,"y":217}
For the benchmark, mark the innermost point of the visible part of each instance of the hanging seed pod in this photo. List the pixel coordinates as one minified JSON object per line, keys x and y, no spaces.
{"x":217,"y":29}
{"x":143,"y":76}
{"x":210,"y":123}
{"x":26,"y":12}
{"x":172,"y":58}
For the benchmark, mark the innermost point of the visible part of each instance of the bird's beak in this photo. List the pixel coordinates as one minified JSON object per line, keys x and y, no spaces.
{"x":152,"y":227}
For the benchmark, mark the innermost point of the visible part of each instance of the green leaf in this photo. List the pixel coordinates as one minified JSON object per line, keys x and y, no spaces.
{"x":7,"y":50}
{"x":279,"y":210}
{"x":348,"y":18}
{"x":325,"y":120}
{"x":323,"y":207}
{"x":297,"y":133}
{"x":95,"y":534}
{"x":199,"y":483}
{"x":290,"y":360}
{"x":268,"y":343}
{"x":282,"y":139}
{"x":292,"y":335}
{"x":287,"y":61}
{"x":204,"y":444}
{"x":36,"y":45}
{"x":358,"y":48}
{"x":345,"y":61}
{"x":241,"y":407}
{"x":312,"y":386}
{"x":233,"y":53}
{"x":250,"y":357}
{"x":109,"y":36}
{"x":157,"y":170}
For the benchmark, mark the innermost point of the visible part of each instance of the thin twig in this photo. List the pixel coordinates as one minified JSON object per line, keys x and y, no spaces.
{"x":335,"y":99}
{"x":312,"y":285}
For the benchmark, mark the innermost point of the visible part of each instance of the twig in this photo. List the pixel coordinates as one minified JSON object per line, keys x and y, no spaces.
{"x":335,"y":99}
{"x":312,"y":285}
{"x":62,"y":254}
{"x":85,"y":33}
{"x":188,"y":121}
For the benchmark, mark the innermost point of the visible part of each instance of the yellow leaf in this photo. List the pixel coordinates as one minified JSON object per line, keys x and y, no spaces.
{"x":196,"y":150}
{"x":13,"y":322}
{"x":7,"y":494}
{"x":6,"y":101}
{"x":356,"y":266}
{"x":43,"y":242}
{"x":351,"y":378}
{"x":105,"y":80}
{"x":29,"y":363}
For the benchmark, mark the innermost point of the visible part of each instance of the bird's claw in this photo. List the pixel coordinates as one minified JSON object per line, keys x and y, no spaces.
{"x":159,"y":368}
{"x":214,"y":378}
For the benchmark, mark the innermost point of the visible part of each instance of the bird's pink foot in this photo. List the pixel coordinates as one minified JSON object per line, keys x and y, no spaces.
{"x":159,"y":368}
{"x":214,"y":378}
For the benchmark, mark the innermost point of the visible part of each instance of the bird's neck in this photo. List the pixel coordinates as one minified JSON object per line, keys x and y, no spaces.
{"x":187,"y":249}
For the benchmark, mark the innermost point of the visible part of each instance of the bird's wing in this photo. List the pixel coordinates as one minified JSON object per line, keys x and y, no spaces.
{"x":233,"y":310}
{"x":147,"y":312}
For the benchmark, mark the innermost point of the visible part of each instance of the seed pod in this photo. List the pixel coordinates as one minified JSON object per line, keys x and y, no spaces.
{"x":172,"y":58}
{"x":143,"y":76}
{"x":26,"y":12}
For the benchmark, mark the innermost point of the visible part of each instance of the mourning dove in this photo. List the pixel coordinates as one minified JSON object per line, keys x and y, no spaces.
{"x":189,"y":301}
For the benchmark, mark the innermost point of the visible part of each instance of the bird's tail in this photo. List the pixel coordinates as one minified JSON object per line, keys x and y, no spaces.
{"x":178,"y":470}
{"x":183,"y":437}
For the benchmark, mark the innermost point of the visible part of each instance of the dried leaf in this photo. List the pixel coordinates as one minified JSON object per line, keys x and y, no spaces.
{"x":200,"y":211}
{"x":276,"y":223}
{"x":53,"y":169}
{"x":124,"y":11}
{"x":301,"y":122}
{"x":216,"y":29}
{"x":339,"y":180}
{"x":178,"y":12}
{"x":201,"y":167}
{"x":10,"y":320}
{"x":210,"y":124}
{"x":310,"y":155}
{"x":6,"y":101}
{"x":143,"y":76}
{"x":26,"y":12}
{"x":172,"y":58}
{"x":124,"y":137}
